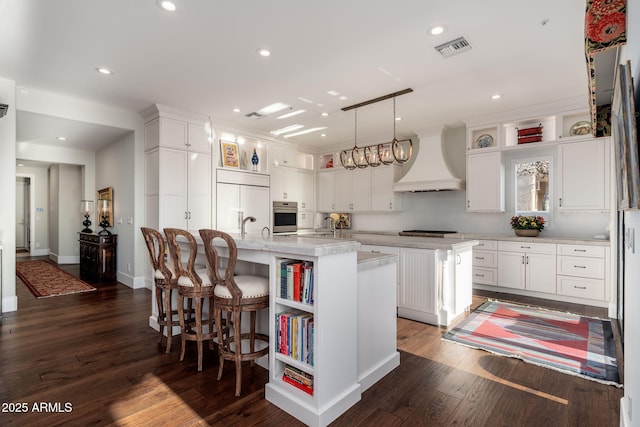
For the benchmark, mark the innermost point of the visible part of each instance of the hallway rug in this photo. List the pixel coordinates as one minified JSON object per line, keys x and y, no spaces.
{"x":45,"y":280}
{"x":566,"y":342}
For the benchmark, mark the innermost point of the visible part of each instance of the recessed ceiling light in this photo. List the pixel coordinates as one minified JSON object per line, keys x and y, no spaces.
{"x":286,"y":129}
{"x":398,"y":119}
{"x":61,"y":138}
{"x":333,"y":93}
{"x":302,"y":132}
{"x":167,"y":5}
{"x":264,"y":52}
{"x":496,"y":96}
{"x":273,"y":108}
{"x":323,"y":135}
{"x":236,"y":110}
{"x":291,"y":114}
{"x":105,"y":71}
{"x":342,"y":98}
{"x":325,"y":114}
{"x":436,"y":30}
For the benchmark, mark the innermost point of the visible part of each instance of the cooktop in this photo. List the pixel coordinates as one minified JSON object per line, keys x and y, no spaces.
{"x":426,"y":233}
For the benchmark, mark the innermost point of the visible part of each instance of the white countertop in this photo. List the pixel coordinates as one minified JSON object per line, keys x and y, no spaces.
{"x":540,"y":239}
{"x":371,"y":260}
{"x":311,"y":246}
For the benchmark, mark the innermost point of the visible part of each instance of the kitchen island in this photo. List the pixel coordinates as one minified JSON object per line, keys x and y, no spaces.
{"x":434,"y":274}
{"x":352,"y":341}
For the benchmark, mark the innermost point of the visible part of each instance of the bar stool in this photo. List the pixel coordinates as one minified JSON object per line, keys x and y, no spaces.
{"x":165,"y":283}
{"x":193,"y":285}
{"x":235,"y":295}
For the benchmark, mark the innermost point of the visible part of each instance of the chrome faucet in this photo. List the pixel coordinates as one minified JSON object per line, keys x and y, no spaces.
{"x":243,"y":232}
{"x":332,"y":226}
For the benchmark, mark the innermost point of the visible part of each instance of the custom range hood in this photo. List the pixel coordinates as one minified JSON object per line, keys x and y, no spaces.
{"x":429,"y":171}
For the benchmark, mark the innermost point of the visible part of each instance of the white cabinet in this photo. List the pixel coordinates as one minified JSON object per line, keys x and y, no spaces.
{"x":485,"y":262}
{"x":418,"y":290}
{"x":361,"y":190}
{"x":332,"y":320}
{"x":326,"y":192}
{"x":181,"y":193}
{"x":282,"y":155}
{"x":582,"y":271}
{"x":242,"y":192}
{"x":284,"y":184}
{"x":485,"y":182}
{"x":584,"y":165}
{"x":177,"y":170}
{"x":383,"y":198}
{"x":529,"y":266}
{"x":343,"y":191}
{"x":352,"y":190}
{"x":306,"y":199}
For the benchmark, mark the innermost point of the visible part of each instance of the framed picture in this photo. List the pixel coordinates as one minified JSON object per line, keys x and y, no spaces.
{"x":625,"y":139}
{"x":105,"y":194}
{"x":631,"y":135}
{"x":229,"y":153}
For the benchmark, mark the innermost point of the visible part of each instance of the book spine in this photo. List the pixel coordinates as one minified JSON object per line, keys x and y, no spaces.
{"x":294,"y":383}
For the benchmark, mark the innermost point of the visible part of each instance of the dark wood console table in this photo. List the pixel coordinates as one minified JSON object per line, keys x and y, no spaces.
{"x":98,"y":257}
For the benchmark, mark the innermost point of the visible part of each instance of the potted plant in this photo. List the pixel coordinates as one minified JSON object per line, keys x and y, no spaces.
{"x":527,"y":225}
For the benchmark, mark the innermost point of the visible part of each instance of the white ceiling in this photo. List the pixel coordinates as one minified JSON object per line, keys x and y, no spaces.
{"x":202,"y":58}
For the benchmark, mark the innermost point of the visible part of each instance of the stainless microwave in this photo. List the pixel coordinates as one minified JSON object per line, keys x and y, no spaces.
{"x":285,"y":217}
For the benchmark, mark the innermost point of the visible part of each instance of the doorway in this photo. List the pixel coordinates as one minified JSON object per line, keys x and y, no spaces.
{"x":24,"y":215}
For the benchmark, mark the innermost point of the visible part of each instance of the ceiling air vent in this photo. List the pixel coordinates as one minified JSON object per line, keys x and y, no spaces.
{"x":453,"y":47}
{"x":255,"y":115}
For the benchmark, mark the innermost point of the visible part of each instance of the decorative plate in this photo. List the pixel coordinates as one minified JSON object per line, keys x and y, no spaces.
{"x":484,"y":141}
{"x":582,"y":127}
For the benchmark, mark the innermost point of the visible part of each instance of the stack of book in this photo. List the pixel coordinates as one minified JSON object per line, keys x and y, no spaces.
{"x":533,"y":134}
{"x":295,"y":336}
{"x":296,"y":281}
{"x":298,"y":378}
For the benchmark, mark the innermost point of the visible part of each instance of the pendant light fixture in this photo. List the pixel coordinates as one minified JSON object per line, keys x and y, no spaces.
{"x":395,"y":151}
{"x":402,"y":149}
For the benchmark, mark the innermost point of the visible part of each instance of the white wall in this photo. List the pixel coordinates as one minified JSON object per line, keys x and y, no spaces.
{"x":630,"y":403}
{"x":121,"y":154}
{"x":8,"y":192}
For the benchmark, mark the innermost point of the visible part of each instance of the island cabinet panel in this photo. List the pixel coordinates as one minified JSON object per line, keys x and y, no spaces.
{"x":312,"y":354}
{"x":97,"y":257}
{"x":417,"y":293}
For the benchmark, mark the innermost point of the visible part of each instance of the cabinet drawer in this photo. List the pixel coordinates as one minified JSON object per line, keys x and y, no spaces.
{"x":541,"y":248}
{"x":581,"y":288}
{"x":485,"y":258}
{"x":582,"y":250}
{"x":486,"y":245}
{"x":485,"y":276}
{"x":581,"y":266}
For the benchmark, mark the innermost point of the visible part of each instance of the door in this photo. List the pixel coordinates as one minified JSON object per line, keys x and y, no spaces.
{"x":199,"y":191}
{"x":22,"y":213}
{"x":511,"y":269}
{"x":254,"y":201}
{"x":228,"y":196}
{"x":541,"y":273}
{"x":325,"y":192}
{"x":485,"y":182}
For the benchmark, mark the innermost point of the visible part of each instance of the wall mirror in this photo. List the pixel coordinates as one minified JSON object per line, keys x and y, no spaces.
{"x":105,"y":194}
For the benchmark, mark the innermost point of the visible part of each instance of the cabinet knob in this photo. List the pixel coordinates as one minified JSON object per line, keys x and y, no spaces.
{"x":390,"y":205}
{"x":468,"y":203}
{"x":560,"y":201}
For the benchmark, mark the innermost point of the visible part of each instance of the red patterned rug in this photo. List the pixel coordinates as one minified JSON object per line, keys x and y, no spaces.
{"x":566,"y":342}
{"x":45,"y":280}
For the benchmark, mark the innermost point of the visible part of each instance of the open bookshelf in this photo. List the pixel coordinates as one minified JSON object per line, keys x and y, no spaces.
{"x":313,"y":330}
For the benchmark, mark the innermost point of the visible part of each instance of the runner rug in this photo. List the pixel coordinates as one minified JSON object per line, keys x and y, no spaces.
{"x":566,"y":342}
{"x":45,"y":280}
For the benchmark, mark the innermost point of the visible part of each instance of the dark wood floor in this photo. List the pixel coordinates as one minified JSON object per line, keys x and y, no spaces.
{"x":96,"y":352}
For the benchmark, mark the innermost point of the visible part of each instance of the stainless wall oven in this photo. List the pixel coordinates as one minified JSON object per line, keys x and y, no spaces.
{"x":285,"y":217}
